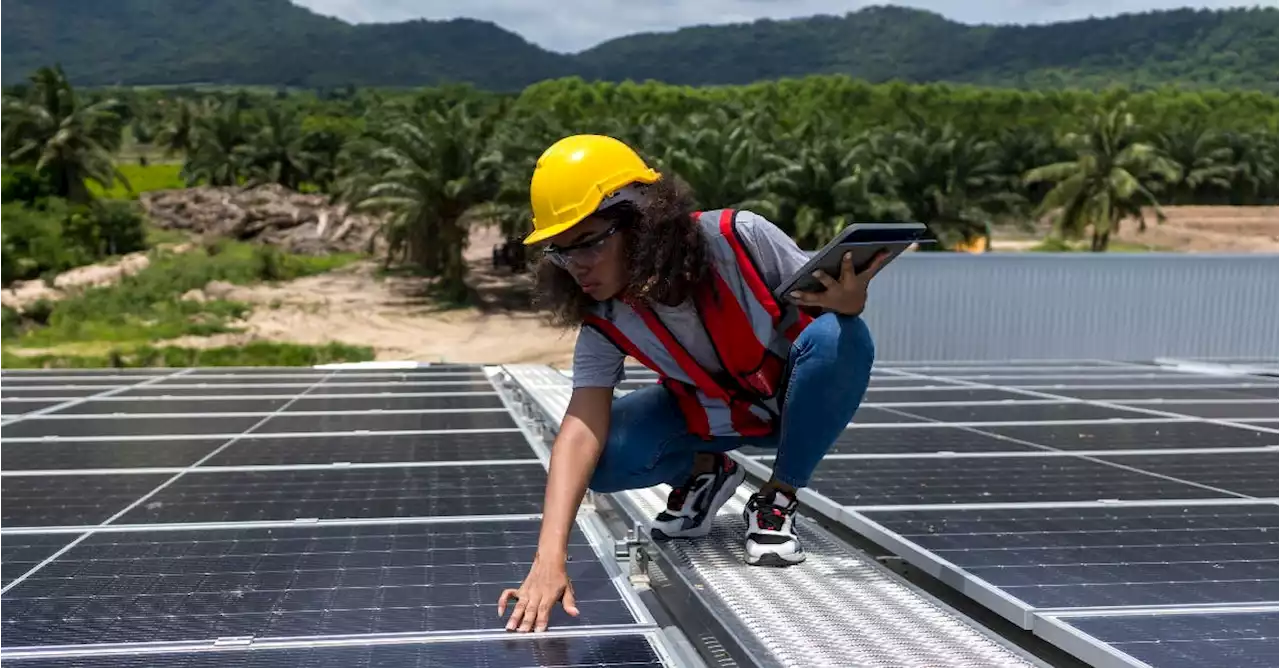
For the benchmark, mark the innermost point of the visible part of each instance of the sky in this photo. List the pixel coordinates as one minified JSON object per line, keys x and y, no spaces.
{"x":579,"y":24}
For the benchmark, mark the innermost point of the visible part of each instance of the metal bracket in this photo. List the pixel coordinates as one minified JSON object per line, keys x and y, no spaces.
{"x":631,"y":550}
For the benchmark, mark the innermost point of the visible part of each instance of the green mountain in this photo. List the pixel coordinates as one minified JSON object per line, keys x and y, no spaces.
{"x":274,"y":42}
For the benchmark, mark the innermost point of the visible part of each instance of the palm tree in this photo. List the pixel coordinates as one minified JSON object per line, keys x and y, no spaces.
{"x":1253,"y":167}
{"x":216,"y":156}
{"x":275,"y":152}
{"x":951,"y":182}
{"x":425,"y":173}
{"x":828,"y":185}
{"x":177,"y":134}
{"x":67,"y":141}
{"x":1112,"y":178}
{"x":1204,"y":162}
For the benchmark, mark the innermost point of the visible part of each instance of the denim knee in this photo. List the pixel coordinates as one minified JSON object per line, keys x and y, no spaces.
{"x":640,"y":424}
{"x":834,"y":337}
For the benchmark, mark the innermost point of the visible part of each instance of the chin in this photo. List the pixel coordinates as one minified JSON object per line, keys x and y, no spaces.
{"x":599,"y":293}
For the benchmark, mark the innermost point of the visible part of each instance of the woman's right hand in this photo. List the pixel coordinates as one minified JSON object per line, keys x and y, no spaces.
{"x":542,"y":588}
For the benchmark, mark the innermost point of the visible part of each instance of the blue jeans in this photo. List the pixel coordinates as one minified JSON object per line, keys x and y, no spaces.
{"x":826,"y":378}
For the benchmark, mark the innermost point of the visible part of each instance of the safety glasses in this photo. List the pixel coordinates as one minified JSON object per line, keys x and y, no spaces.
{"x":584,"y":253}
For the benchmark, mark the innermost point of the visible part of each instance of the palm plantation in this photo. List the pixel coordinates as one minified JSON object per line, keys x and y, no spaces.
{"x":814,"y":154}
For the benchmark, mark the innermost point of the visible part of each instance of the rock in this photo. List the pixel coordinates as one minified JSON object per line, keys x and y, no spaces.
{"x":196,"y":295}
{"x":219,"y":289}
{"x":272,"y":214}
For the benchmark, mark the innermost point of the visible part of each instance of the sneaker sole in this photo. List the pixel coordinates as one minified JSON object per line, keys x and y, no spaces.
{"x":722,"y":497}
{"x":773,"y":560}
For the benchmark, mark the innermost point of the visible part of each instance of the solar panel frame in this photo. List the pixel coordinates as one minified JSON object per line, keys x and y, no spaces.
{"x":636,"y":648}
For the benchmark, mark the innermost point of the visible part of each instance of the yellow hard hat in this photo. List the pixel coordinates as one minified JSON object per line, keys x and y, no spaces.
{"x":573,"y":178}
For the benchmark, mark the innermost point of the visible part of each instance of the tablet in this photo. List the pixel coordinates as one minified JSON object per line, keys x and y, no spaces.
{"x":864,"y":240}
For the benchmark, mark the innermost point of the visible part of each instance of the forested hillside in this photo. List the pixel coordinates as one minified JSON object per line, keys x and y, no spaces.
{"x":273,"y":42}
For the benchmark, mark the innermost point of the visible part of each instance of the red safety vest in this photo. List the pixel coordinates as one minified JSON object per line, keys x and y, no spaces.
{"x":751,"y":333}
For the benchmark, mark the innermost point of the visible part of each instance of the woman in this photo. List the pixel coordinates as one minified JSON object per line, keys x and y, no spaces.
{"x":630,"y":262}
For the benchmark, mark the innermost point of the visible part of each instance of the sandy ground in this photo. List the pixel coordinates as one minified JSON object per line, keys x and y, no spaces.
{"x":1214,"y":229}
{"x":1188,"y":229}
{"x":356,"y":306}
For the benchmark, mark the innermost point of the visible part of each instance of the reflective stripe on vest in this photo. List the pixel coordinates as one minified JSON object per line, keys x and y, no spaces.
{"x":750,"y":331}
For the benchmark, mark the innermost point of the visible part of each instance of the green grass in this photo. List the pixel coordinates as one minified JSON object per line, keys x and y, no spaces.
{"x":258,"y":353}
{"x":148,"y":306}
{"x":143,"y":178}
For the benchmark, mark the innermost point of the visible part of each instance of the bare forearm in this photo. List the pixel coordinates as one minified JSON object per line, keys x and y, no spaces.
{"x":573,"y":459}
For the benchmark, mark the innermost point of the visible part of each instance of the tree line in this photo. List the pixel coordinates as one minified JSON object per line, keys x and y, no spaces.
{"x":812,"y":154}
{"x":278,"y":42}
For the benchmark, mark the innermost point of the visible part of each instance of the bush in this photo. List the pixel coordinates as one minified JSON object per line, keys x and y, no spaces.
{"x":22,"y":183}
{"x":10,"y":323}
{"x":51,"y":236}
{"x":148,"y":304}
{"x":107,"y":228}
{"x":259,"y":353}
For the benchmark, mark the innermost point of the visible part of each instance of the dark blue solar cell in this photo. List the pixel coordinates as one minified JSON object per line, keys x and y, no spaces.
{"x":1239,"y":639}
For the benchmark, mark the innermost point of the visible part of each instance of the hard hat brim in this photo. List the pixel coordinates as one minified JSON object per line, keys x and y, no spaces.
{"x":548,"y":232}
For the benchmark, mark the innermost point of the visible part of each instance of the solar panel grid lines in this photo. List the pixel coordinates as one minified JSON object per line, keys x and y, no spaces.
{"x":1048,"y":395}
{"x":1221,"y":447}
{"x":104,"y":393}
{"x":397,"y":451}
{"x":121,"y":513}
{"x":1239,"y":636}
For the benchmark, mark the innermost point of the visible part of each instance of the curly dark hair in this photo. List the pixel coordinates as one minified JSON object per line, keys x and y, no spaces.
{"x":666,"y":256}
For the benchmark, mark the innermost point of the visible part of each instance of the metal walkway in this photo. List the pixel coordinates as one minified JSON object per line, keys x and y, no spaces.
{"x":839,"y":608}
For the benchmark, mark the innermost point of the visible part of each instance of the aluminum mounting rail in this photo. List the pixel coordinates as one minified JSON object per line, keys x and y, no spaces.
{"x":839,"y":608}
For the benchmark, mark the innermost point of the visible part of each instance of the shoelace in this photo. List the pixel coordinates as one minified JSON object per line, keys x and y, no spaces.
{"x":768,"y":516}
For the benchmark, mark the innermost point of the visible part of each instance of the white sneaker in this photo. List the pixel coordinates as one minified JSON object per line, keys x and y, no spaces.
{"x":692,"y":506}
{"x":771,"y":538}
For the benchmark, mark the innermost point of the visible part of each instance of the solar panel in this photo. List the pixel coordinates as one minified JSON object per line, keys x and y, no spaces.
{"x":1241,"y":639}
{"x":1044,"y":489}
{"x":1010,"y":479}
{"x":304,"y":581}
{"x":1137,"y":436}
{"x":374,"y":447}
{"x":10,"y":407}
{"x":598,"y":651}
{"x":118,"y":454}
{"x":215,"y":505}
{"x":1087,"y":557}
{"x":1018,"y":412}
{"x":903,"y":441}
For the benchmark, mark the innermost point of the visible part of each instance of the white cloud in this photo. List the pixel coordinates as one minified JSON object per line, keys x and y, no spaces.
{"x":573,"y":25}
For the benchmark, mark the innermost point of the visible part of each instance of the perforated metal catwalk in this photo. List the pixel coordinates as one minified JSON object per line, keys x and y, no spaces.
{"x":285,"y":517}
{"x":1107,"y":507}
{"x":839,"y":608}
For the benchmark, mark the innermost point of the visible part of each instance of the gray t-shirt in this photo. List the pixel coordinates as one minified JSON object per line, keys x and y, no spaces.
{"x":598,"y":363}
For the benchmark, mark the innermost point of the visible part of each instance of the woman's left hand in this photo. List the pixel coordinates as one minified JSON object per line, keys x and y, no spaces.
{"x":846,"y":295}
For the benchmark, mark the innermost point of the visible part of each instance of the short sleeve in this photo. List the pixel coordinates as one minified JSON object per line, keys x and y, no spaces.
{"x":776,"y":254}
{"x":596,"y":361}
